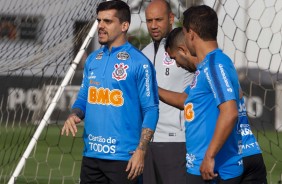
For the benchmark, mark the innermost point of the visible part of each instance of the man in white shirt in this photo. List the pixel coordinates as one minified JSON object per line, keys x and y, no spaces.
{"x":165,"y":162}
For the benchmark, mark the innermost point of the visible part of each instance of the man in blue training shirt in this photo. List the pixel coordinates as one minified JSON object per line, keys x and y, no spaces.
{"x":118,"y":101}
{"x":213,"y":138}
{"x":254,"y":167}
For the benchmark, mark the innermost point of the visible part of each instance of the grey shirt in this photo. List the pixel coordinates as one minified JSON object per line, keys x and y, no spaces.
{"x":170,"y":127}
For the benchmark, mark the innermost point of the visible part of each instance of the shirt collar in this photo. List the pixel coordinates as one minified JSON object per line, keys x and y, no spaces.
{"x":125,"y":46}
{"x":206,"y":59}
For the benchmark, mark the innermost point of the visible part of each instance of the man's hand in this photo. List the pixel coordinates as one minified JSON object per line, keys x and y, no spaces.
{"x":70,"y":125}
{"x":207,"y":168}
{"x":135,"y":165}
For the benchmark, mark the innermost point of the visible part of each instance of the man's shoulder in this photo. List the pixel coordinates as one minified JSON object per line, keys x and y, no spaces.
{"x":135,"y":53}
{"x":96,"y":52}
{"x":148,"y":48}
{"x":218,"y":57}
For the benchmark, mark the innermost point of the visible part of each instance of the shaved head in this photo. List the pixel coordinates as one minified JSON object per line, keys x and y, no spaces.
{"x":159,"y":19}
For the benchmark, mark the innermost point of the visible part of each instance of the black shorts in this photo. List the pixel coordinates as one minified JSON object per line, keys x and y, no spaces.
{"x":99,"y":171}
{"x":254,"y":170}
{"x":196,"y":179}
{"x":165,"y":163}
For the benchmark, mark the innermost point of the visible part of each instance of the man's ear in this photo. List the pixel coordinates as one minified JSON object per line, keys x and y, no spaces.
{"x":193,"y":34}
{"x":181,"y":49}
{"x":185,"y":53}
{"x":171,"y":18}
{"x":125,"y":26}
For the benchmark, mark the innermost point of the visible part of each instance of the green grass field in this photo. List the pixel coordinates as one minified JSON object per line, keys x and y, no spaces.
{"x":270,"y":143}
{"x":56,"y":159}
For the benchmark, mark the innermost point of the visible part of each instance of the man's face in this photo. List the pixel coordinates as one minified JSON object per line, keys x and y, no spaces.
{"x":181,"y":59}
{"x":109,"y":27}
{"x":159,"y":22}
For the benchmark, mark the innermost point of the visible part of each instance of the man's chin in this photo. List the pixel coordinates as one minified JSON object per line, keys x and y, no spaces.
{"x":191,"y":70}
{"x":102,"y":42}
{"x":156,"y":39}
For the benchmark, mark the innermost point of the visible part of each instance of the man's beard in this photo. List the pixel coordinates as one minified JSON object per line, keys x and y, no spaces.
{"x":102,"y":43}
{"x":191,"y":70}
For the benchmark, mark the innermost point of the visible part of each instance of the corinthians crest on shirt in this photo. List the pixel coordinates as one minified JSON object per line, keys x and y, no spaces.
{"x":167,"y":60}
{"x":119,"y":72}
{"x":194,"y":82}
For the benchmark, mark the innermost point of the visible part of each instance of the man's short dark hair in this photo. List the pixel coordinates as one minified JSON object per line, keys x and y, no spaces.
{"x":202,"y":20}
{"x":123,"y":10}
{"x":173,"y":38}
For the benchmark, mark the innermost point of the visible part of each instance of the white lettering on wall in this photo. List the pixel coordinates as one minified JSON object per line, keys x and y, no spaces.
{"x":254,"y":106}
{"x":34,"y":99}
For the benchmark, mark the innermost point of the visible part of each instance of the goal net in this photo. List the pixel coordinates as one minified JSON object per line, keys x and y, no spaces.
{"x":39,"y":43}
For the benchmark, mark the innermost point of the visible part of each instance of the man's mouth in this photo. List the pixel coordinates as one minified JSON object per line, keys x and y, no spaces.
{"x":101,"y":33}
{"x":155,"y":33}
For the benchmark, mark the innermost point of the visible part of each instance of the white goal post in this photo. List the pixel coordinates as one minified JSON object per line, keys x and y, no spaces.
{"x":55,"y":100}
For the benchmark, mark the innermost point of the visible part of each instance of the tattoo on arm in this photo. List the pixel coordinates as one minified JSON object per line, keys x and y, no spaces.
{"x":146,"y":136}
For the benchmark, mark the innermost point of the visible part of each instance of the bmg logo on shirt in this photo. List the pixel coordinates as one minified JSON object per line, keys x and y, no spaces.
{"x":189,"y":113}
{"x":105,"y":96}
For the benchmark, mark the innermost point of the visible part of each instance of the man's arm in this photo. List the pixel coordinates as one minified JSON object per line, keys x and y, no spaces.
{"x":146,"y":137}
{"x":225,"y":123}
{"x":79,"y":106}
{"x":172,"y":98}
{"x":136,"y":163}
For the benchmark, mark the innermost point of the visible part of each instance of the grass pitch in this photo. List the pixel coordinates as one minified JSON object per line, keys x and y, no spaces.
{"x":56,"y":159}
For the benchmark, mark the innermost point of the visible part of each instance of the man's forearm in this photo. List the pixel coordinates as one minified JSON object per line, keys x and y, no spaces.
{"x":146,"y":137}
{"x":225,"y":123}
{"x":172,"y":98}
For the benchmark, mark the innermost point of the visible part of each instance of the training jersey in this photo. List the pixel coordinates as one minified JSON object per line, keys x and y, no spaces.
{"x":119,"y":97}
{"x":250,"y":145}
{"x":215,"y":82}
{"x":170,"y":127}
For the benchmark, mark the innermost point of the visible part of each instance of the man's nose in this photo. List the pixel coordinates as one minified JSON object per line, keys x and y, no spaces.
{"x":100,"y":24}
{"x":154,"y":24}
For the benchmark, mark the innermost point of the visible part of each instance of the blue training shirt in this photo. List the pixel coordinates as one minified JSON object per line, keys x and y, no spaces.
{"x":215,"y":82}
{"x":250,"y":145}
{"x":119,"y":97}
